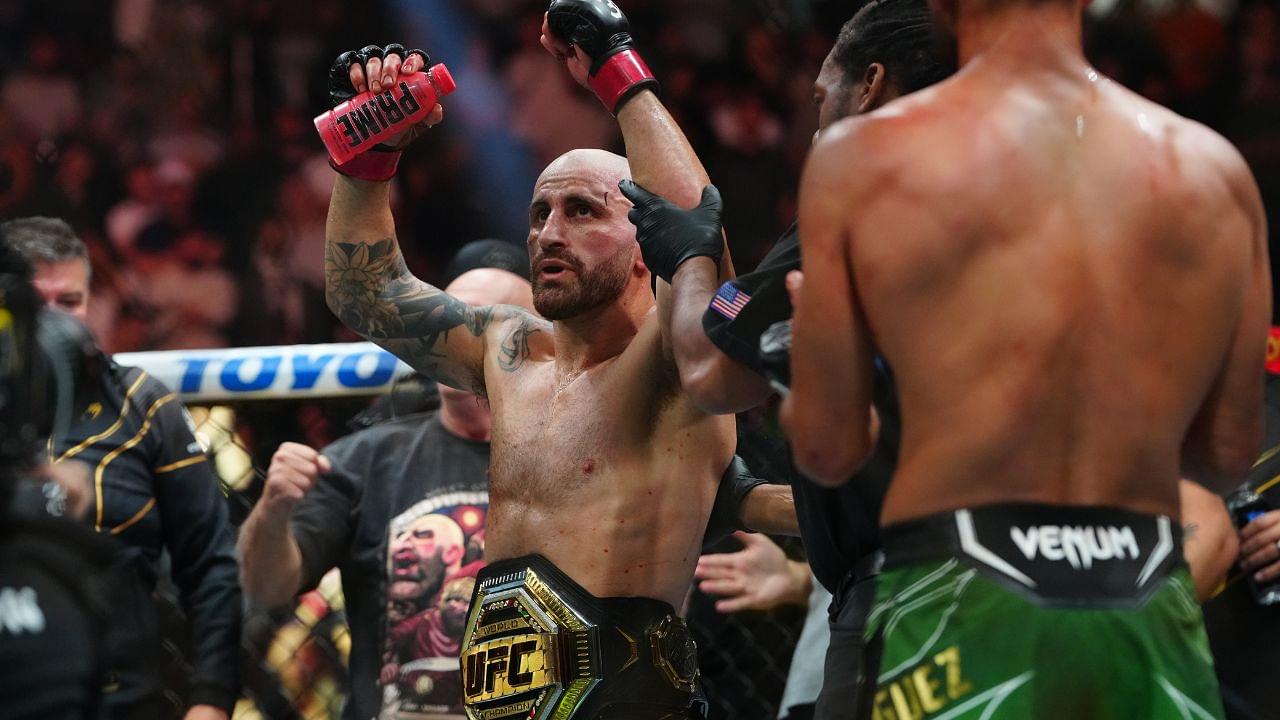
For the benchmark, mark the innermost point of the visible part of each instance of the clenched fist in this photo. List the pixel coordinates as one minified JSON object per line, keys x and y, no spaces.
{"x":293,"y":472}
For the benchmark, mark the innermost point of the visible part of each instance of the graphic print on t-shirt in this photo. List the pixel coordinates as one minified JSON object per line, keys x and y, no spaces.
{"x":434,"y":552}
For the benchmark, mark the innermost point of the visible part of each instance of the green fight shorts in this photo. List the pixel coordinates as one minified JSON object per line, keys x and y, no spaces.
{"x":1038,"y":612}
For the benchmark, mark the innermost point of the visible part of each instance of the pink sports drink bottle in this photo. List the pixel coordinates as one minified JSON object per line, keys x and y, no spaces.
{"x":369,"y":118}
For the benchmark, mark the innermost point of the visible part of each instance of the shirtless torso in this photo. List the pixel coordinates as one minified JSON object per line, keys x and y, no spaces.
{"x":1070,"y":283}
{"x":600,"y":463}
{"x":608,"y":473}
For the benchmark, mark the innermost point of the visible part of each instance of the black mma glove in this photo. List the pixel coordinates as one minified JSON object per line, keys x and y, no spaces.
{"x":379,"y":163}
{"x":340,"y":88}
{"x":602,"y":31}
{"x":669,"y":236}
{"x":726,"y":512}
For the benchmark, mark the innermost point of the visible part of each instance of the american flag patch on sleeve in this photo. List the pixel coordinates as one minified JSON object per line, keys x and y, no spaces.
{"x":729,"y":300}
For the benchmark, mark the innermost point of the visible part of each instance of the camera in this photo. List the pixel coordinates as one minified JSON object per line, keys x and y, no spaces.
{"x":45,"y":357}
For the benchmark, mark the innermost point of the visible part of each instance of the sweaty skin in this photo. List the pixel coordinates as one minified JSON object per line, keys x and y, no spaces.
{"x":599,"y":461}
{"x":1070,"y":283}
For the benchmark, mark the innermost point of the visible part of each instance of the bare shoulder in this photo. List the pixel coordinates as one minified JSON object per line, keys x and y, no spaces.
{"x":859,"y":148}
{"x":1222,"y":156}
{"x":1209,"y":155}
{"x":878,"y":150}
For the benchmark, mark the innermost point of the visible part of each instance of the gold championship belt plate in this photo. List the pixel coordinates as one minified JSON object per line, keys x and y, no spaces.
{"x":526,"y":651}
{"x":534,"y":648}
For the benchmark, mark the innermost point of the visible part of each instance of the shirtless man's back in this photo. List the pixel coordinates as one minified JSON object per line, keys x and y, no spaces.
{"x":1071,"y":286}
{"x":1081,"y":265}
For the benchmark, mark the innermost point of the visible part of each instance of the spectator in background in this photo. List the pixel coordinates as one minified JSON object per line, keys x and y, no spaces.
{"x":284,"y":302}
{"x":1259,"y":50}
{"x":1195,"y":43}
{"x":45,"y":77}
{"x":750,"y":169}
{"x":191,"y":296}
{"x":139,"y":209}
{"x":154,"y":491}
{"x":175,"y":190}
{"x":322,"y":510}
{"x":548,"y":110}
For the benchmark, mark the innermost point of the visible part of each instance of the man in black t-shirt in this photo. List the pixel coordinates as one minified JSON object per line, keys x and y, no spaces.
{"x":399,"y":509}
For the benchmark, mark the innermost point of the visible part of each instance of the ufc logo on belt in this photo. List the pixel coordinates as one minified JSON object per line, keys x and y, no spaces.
{"x":507,"y":666}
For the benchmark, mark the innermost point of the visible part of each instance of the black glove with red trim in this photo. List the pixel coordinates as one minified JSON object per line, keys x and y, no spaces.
{"x":600,"y":29}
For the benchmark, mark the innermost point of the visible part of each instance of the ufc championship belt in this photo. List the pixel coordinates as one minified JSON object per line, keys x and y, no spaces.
{"x":539,"y":646}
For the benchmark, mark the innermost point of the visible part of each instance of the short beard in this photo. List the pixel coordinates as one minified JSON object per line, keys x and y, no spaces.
{"x":590,"y":291}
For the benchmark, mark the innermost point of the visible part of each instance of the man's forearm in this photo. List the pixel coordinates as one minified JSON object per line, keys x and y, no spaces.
{"x":270,"y":560}
{"x":369,"y":287}
{"x":359,"y":211}
{"x":716,"y":382}
{"x":663,"y":162}
{"x":660,"y":156}
{"x":361,"y":255}
{"x":770,"y":509}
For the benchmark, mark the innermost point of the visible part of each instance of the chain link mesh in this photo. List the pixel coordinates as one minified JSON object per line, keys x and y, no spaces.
{"x":294,"y":659}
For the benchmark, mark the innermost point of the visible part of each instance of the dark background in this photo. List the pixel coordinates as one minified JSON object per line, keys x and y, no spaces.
{"x":176,"y":135}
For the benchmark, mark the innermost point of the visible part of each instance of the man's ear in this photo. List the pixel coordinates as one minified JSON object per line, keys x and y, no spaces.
{"x":872,"y":88}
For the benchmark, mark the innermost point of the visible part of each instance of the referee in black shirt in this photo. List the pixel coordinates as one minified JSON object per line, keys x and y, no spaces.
{"x":152,"y":489}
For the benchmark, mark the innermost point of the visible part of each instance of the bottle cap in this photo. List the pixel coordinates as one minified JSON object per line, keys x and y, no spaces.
{"x":441,"y":78}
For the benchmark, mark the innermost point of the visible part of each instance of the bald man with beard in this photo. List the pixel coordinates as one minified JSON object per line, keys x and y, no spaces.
{"x":603,"y":471}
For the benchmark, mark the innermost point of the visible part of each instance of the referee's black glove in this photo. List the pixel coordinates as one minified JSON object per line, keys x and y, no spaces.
{"x":669,"y":236}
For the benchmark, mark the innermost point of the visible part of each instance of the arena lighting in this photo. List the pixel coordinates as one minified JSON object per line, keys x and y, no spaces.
{"x":500,"y":167}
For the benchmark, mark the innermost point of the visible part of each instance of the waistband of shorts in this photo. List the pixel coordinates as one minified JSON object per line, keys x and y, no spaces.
{"x":1058,"y":554}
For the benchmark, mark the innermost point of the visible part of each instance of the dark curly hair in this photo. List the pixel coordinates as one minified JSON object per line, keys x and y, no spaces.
{"x":902,"y":36}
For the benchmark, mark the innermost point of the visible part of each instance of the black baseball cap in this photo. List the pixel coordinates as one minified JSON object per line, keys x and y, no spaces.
{"x":497,"y":254}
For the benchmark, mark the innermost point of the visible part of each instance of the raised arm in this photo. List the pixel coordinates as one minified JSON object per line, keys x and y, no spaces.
{"x":369,"y":287}
{"x":660,"y":155}
{"x":593,"y":39}
{"x":688,"y":241}
{"x":1225,"y":436}
{"x":367,"y":284}
{"x":828,"y":413}
{"x":663,"y":163}
{"x":272,"y":566}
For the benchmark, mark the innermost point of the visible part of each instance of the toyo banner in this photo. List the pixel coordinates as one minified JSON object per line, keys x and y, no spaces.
{"x":301,"y":371}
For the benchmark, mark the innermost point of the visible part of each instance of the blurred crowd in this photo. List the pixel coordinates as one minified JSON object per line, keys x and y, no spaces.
{"x":175,"y":135}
